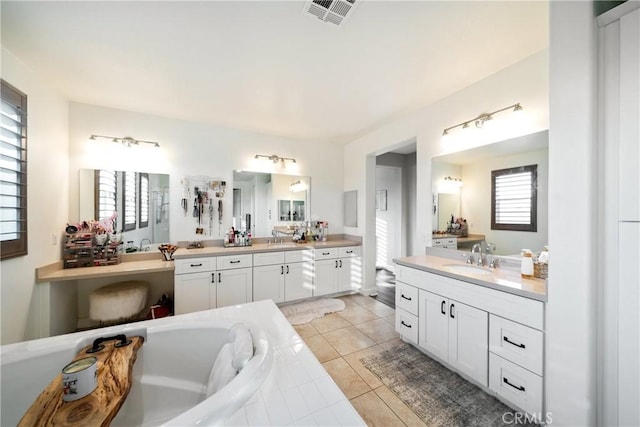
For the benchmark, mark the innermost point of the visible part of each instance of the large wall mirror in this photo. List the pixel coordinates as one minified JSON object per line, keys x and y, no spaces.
{"x":462,"y":187}
{"x":265,"y":201}
{"x":140,"y":199}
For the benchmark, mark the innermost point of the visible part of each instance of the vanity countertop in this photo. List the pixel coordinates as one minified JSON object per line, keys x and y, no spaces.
{"x":260,"y":247}
{"x":501,"y":279}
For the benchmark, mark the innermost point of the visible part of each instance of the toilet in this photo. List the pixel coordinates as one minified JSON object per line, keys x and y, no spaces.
{"x":118,"y":302}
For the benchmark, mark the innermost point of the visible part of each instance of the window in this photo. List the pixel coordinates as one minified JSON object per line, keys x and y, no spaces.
{"x":514,"y":199}
{"x":143,"y":201}
{"x":13,"y":172}
{"x":105,"y":194}
{"x":129,"y":201}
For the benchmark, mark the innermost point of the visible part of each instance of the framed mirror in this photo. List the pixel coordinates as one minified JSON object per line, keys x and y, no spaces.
{"x":140,"y":199}
{"x":264,"y":201}
{"x":467,"y":193}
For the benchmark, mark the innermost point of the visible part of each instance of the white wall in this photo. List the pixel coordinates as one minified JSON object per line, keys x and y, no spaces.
{"x":192,"y":149}
{"x":389,"y":236}
{"x":525,"y":82}
{"x":475,"y":203}
{"x":47,"y":203}
{"x":570,"y":372}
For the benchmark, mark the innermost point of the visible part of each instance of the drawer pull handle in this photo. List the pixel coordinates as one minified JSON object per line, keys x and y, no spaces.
{"x":512,"y":343}
{"x":442,"y":308}
{"x":234,"y":262}
{"x":404,"y":324}
{"x":349,"y":252}
{"x":326,"y":253}
{"x":196,"y":265}
{"x":407,"y":298}
{"x":514,"y":386}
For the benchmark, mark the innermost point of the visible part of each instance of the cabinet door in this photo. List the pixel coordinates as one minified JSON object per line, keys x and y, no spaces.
{"x":433,"y":325}
{"x":297,"y":281}
{"x":234,"y":286}
{"x":325,"y":277}
{"x":269,"y":283}
{"x":469,"y":341}
{"x":191,"y":292}
{"x":349,"y":274}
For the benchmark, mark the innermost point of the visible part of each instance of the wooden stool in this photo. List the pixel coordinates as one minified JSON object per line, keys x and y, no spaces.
{"x":118,"y":302}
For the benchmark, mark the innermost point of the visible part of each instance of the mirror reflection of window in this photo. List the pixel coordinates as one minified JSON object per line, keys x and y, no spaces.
{"x":143,"y":201}
{"x":105,"y":193}
{"x":129,"y":201}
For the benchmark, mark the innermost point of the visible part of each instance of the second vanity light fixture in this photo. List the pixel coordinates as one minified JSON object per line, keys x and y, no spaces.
{"x":125,"y":140}
{"x":482,"y":119}
{"x":275,"y":158}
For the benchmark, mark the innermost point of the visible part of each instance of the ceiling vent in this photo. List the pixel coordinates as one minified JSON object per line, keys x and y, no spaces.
{"x":333,"y":11}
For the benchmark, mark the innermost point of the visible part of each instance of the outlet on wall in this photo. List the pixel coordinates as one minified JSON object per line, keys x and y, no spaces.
{"x":54,"y":239}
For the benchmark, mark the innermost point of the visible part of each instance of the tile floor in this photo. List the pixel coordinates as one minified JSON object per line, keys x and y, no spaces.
{"x":340,"y":340}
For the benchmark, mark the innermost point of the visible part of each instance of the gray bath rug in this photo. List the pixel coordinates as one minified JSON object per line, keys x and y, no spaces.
{"x":306,"y":311}
{"x":437,"y":395}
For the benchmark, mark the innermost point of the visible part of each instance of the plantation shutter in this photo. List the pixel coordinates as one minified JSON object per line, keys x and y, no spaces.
{"x":514,"y":198}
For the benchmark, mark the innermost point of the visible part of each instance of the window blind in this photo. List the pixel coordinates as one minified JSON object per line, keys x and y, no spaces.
{"x":13,"y":172}
{"x":143,"y":220}
{"x":129,"y":201}
{"x":514,"y":199}
{"x":106,"y":193}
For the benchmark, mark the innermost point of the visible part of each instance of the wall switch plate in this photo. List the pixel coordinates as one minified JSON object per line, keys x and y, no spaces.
{"x":54,"y":239}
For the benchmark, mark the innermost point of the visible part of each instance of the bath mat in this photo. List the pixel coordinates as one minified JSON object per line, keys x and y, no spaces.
{"x":438,"y":396}
{"x":306,"y":311}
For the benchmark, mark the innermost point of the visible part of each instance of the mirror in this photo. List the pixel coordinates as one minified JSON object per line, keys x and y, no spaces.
{"x":264,"y":201}
{"x":467,"y":193}
{"x":141,"y":200}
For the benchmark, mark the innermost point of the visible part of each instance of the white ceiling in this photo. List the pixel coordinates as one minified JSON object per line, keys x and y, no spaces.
{"x":265,"y":66}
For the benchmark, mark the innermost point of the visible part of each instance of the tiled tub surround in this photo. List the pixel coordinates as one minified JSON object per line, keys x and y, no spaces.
{"x":486,"y":325}
{"x":296,"y":391}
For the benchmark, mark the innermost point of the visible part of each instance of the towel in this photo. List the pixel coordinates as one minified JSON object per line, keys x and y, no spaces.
{"x":242,"y":345}
{"x":222,"y":371}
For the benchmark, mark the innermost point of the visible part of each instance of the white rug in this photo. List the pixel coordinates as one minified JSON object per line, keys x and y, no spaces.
{"x":306,"y":311}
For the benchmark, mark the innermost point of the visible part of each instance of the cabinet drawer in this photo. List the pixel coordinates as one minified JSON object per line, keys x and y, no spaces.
{"x":268,"y":258}
{"x":515,"y":384}
{"x":412,"y":276}
{"x":517,"y":343}
{"x":327,"y":253}
{"x":349,"y":251}
{"x":195,"y":265}
{"x":234,"y":261}
{"x":407,"y":325}
{"x":297,"y":256}
{"x":407,"y":298}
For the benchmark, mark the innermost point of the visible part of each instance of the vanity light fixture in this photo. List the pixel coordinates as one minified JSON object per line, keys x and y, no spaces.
{"x":275,"y":158}
{"x":482,"y":119}
{"x":125,"y":140}
{"x":453,"y":180}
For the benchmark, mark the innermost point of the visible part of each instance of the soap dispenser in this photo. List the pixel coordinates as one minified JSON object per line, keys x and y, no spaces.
{"x":526,"y":268}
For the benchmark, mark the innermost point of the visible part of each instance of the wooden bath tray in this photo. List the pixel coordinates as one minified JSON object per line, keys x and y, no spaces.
{"x":114,"y":371}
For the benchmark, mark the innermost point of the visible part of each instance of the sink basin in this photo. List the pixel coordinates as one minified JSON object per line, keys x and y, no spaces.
{"x":467,"y":269}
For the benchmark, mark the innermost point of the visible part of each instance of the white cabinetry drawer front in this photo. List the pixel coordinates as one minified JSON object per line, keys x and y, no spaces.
{"x":407,"y":325}
{"x":412,"y":276}
{"x":297,"y":256}
{"x":515,"y":384}
{"x":234,"y":261}
{"x":349,"y":251}
{"x":327,"y":253}
{"x":515,"y":342}
{"x":268,"y":258}
{"x":195,"y":265}
{"x":407,"y":298}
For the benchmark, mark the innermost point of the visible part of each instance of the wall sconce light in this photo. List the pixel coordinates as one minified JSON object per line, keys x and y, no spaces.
{"x":479,"y":121}
{"x":126,"y":140}
{"x":275,"y":158}
{"x":297,"y":187}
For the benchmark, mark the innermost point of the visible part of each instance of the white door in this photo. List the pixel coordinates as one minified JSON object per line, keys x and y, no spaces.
{"x":297,"y":281}
{"x":269,"y":283}
{"x":346,"y":278}
{"x":469,"y":340}
{"x":434,"y":323}
{"x":234,"y":287}
{"x":191,"y":292}
{"x":325,"y":278}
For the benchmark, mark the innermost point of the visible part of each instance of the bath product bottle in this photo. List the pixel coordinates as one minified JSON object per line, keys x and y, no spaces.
{"x":526,"y":268}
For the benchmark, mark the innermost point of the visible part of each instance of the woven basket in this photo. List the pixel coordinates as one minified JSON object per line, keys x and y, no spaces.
{"x":540,"y":271}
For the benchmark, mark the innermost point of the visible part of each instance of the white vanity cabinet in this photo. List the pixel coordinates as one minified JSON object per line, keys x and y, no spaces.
{"x":445,"y":242}
{"x":336,"y":270}
{"x":492,"y":337}
{"x":210,"y":282}
{"x":456,"y":333}
{"x":282,"y":276}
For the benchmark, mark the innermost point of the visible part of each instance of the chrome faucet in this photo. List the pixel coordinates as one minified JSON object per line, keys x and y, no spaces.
{"x":477,"y":247}
{"x":141,"y":245}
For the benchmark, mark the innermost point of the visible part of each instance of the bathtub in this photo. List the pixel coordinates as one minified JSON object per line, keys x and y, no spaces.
{"x":170,"y":375}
